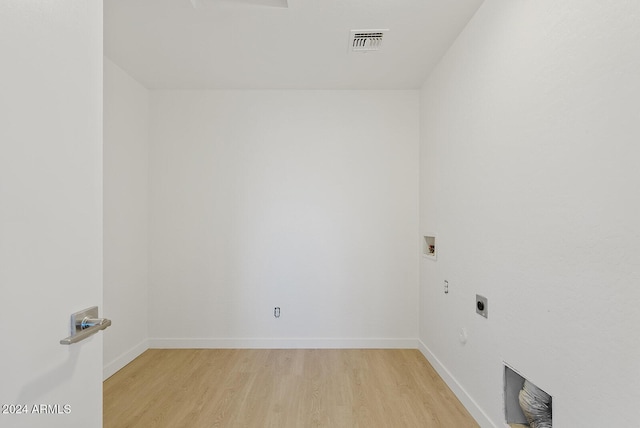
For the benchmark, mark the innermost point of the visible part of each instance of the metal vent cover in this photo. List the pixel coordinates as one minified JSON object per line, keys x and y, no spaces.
{"x":203,"y":4}
{"x":366,"y":40}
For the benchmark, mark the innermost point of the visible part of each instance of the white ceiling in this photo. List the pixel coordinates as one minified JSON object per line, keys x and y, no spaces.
{"x":234,"y":44}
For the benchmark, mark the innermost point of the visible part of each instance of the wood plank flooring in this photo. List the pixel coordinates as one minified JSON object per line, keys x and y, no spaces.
{"x":288,"y":388}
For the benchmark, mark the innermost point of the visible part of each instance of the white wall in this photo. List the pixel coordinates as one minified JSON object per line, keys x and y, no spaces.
{"x":530,"y":131}
{"x":126,"y":176}
{"x":306,"y":200}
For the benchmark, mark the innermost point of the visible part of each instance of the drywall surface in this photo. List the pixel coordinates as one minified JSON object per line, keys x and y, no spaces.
{"x":303,"y":200}
{"x":530,"y":131}
{"x":126,"y":171}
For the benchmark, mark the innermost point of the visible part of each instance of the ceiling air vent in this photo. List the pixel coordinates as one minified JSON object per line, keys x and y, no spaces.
{"x":198,"y":4}
{"x":366,"y":40}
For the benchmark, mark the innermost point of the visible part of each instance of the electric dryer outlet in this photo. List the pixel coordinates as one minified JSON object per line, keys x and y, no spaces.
{"x":482,"y":306}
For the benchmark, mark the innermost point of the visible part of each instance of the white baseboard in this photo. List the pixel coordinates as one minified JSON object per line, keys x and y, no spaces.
{"x":125,"y":358}
{"x":467,"y":401}
{"x":285,"y":343}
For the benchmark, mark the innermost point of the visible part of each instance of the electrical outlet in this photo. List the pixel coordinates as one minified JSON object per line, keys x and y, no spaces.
{"x":276,"y":312}
{"x":482,"y":306}
{"x":462,"y":336}
{"x":446,"y":287}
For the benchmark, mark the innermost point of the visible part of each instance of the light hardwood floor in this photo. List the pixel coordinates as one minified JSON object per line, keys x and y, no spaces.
{"x":289,"y":388}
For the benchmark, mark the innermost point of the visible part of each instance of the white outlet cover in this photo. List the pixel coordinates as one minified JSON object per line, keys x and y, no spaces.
{"x":462,"y":335}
